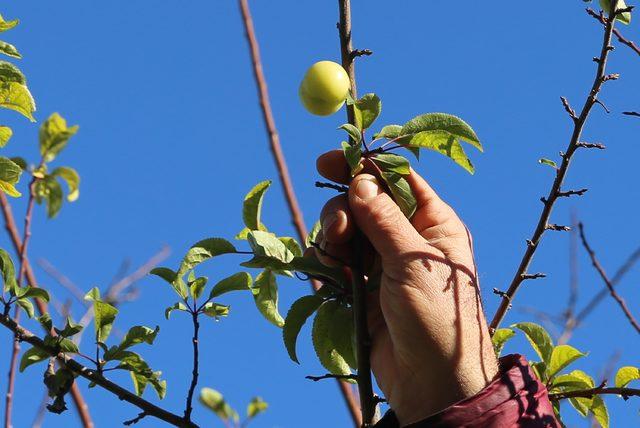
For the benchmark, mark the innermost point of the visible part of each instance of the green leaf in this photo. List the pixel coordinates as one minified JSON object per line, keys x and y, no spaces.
{"x":141,"y":374}
{"x":450,"y":124}
{"x":30,"y":292}
{"x":15,"y":96}
{"x":538,"y":338}
{"x":68,"y":346}
{"x":9,"y":170}
{"x":32,"y":356}
{"x":401,"y":192}
{"x":196,"y":287}
{"x":626,"y":375}
{"x":353,"y":132}
{"x":599,"y":410}
{"x":575,"y":380}
{"x":50,"y":191}
{"x":237,"y":282}
{"x":7,"y":25}
{"x":549,"y":162}
{"x":9,"y":50}
{"x":5,"y":135}
{"x":9,"y":189}
{"x":311,"y":238}
{"x":292,"y":245}
{"x":215,"y":310}
{"x":139,"y":334}
{"x":500,"y":338}
{"x":103,"y":315}
{"x":54,"y":136}
{"x":323,"y":340}
{"x":625,"y":17}
{"x":268,"y":245}
{"x":312,"y":266}
{"x":252,"y":206}
{"x":353,"y":156}
{"x":443,"y":143}
{"x":561,"y":357}
{"x":173,"y":279}
{"x":71,"y":177}
{"x":388,"y":162}
{"x":265,"y":294}
{"x":215,"y":402}
{"x":204,"y":250}
{"x":45,"y":321}
{"x":27,"y":306}
{"x":176,"y":307}
{"x":256,"y":406}
{"x":298,"y":314}
{"x":8,"y":273}
{"x":20,"y":162}
{"x":367,"y":109}
{"x":389,"y":132}
{"x":11,"y":73}
{"x":70,"y":328}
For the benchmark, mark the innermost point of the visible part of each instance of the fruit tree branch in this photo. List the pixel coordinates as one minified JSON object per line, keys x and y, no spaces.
{"x":600,"y":17}
{"x":574,"y":143}
{"x":12,"y":230}
{"x":596,"y":264}
{"x":95,"y":377}
{"x":281,"y":165}
{"x":588,"y":393}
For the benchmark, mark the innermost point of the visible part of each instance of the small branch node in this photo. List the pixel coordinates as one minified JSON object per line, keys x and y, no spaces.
{"x":360,"y":52}
{"x":568,"y":109}
{"x":606,"y":109}
{"x":591,"y":146}
{"x":527,"y":276}
{"x":337,"y":187}
{"x":558,"y":227}
{"x":568,"y":193}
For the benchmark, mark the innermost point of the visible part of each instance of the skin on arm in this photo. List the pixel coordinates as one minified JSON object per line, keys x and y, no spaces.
{"x":431,"y":345}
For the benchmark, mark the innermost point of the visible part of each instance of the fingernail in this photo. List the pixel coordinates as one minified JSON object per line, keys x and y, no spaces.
{"x":329,"y":221}
{"x":367,"y":189}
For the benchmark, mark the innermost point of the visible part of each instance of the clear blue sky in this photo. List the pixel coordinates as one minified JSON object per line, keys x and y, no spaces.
{"x":171,"y":138}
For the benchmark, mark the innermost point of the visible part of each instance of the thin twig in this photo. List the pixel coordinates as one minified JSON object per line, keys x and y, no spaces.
{"x":331,"y":376}
{"x":12,"y":230}
{"x":95,"y":377}
{"x":617,"y":32}
{"x":574,"y":144}
{"x":281,"y":165}
{"x":607,"y":281}
{"x":63,"y":280}
{"x":194,"y":375}
{"x":588,"y":393}
{"x":362,"y":338}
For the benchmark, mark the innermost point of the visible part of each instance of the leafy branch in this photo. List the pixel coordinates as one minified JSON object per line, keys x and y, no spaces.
{"x":556,"y":191}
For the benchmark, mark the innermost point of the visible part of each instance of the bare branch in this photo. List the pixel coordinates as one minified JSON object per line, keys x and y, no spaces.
{"x":331,"y":376}
{"x":634,"y":47}
{"x":588,"y":393}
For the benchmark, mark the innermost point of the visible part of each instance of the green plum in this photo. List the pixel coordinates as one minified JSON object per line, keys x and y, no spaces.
{"x":324,"y":88}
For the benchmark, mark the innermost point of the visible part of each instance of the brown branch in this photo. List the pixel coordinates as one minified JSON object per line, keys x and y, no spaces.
{"x":63,"y":280}
{"x":12,"y":230}
{"x":596,"y":264}
{"x":196,"y":363}
{"x":95,"y":377}
{"x":617,"y":33}
{"x":574,"y":144}
{"x":281,"y":165}
{"x":362,"y":338}
{"x":588,"y":393}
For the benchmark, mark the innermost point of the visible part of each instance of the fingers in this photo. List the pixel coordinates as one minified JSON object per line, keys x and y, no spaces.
{"x":381,"y":220}
{"x":333,"y":166}
{"x":337,"y":223}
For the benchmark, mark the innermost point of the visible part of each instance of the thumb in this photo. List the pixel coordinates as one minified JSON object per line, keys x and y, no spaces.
{"x":381,"y":220}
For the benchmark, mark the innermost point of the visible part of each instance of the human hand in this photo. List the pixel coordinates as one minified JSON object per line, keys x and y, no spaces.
{"x":430,"y":342}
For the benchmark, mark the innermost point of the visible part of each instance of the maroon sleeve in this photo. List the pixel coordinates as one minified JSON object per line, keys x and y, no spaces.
{"x":515,"y":399}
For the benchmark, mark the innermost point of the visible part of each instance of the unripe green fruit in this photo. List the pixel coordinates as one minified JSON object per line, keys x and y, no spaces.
{"x":324,"y":88}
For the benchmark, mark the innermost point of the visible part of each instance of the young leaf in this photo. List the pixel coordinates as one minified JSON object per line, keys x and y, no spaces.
{"x":204,"y":250}
{"x":70,"y":328}
{"x":54,"y":136}
{"x":353,"y":132}
{"x":45,"y":321}
{"x":27,"y":306}
{"x":265,"y":294}
{"x":30,"y":292}
{"x":545,"y":161}
{"x":196,"y":287}
{"x":625,"y":17}
{"x":15,"y":96}
{"x":103,"y":315}
{"x":323,"y":340}
{"x":215,"y":310}
{"x":443,"y":143}
{"x":7,"y":25}
{"x":367,"y":109}
{"x":32,"y":356}
{"x":599,"y":410}
{"x":538,"y":338}
{"x":68,"y":346}
{"x":342,"y":332}
{"x":388,"y":162}
{"x":448,"y":123}
{"x":176,"y":282}
{"x":561,"y":357}
{"x":9,"y":189}
{"x":500,"y":338}
{"x":215,"y":402}
{"x":11,"y":73}
{"x":10,"y":171}
{"x":401,"y":191}
{"x":176,"y":307}
{"x":49,"y":190}
{"x":298,"y":314}
{"x":138,"y":334}
{"x":256,"y":406}
{"x":8,"y":272}
{"x":311,"y":238}
{"x":5,"y":135}
{"x":237,"y":282}
{"x":292,"y":245}
{"x":268,"y":245}
{"x":626,"y":375}
{"x":389,"y":132}
{"x":252,"y":206}
{"x":71,"y":177}
{"x":141,"y":373}
{"x":575,"y":380}
{"x":9,"y":50}
{"x":353,"y":156}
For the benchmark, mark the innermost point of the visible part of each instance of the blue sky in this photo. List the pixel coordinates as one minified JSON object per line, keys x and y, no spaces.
{"x":171,"y":138}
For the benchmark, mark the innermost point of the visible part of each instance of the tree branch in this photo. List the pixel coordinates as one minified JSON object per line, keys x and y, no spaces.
{"x":194,"y":373}
{"x":12,"y":230}
{"x":95,"y":377}
{"x":550,"y":200}
{"x":634,"y":47}
{"x":588,"y":393}
{"x":281,"y":165}
{"x":596,"y":264}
